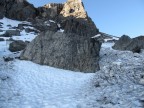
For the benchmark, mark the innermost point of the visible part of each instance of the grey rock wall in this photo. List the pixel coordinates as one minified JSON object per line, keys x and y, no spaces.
{"x":66,"y":51}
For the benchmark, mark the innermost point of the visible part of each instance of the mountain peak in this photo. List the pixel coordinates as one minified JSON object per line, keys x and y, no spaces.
{"x":74,"y":8}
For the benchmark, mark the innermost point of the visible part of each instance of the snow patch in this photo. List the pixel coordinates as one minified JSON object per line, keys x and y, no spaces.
{"x":61,"y":30}
{"x":52,"y":21}
{"x":98,"y":35}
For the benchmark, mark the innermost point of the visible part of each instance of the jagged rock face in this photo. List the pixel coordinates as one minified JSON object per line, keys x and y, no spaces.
{"x":71,"y":22}
{"x":74,"y":19}
{"x":122,"y":43}
{"x":17,"y":9}
{"x":66,"y":51}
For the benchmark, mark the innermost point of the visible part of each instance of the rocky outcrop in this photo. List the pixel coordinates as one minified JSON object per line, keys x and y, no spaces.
{"x":122,"y":43}
{"x":126,"y":43}
{"x":74,"y":19}
{"x":17,"y":9}
{"x":73,"y":49}
{"x":67,"y":51}
{"x":17,"y":46}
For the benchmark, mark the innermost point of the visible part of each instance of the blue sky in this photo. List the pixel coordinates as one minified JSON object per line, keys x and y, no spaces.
{"x":116,"y":17}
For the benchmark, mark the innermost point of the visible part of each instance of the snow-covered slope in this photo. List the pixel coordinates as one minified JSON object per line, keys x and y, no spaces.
{"x":28,"y":85}
{"x":24,"y":84}
{"x":8,"y":24}
{"x":119,"y":83}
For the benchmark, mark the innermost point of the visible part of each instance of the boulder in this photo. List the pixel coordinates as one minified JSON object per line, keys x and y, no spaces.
{"x":126,"y":43}
{"x":136,"y":44}
{"x":7,"y":59}
{"x":17,"y":46}
{"x":67,"y":51}
{"x":10,"y":33}
{"x":122,"y":43}
{"x":2,"y":39}
{"x":73,"y":49}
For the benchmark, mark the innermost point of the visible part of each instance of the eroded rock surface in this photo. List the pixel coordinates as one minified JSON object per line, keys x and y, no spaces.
{"x":66,"y":41}
{"x":66,"y":51}
{"x":17,"y":46}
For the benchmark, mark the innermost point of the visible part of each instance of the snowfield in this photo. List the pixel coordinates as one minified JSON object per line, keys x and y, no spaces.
{"x":119,"y":83}
{"x":28,"y":85}
{"x":8,"y":24}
